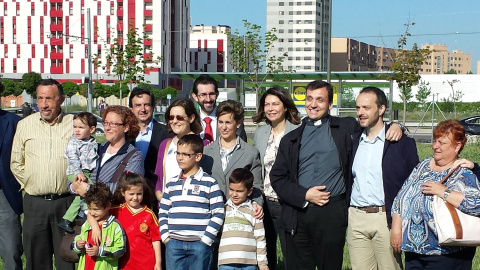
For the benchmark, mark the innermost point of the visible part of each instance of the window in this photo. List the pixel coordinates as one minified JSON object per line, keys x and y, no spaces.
{"x":308,"y":12}
{"x":70,"y":8}
{"x":99,"y":8}
{"x":281,"y":13}
{"x":308,"y":3}
{"x":290,"y":13}
{"x":280,"y":40}
{"x":280,"y":49}
{"x":281,"y":22}
{"x":299,"y":13}
{"x":290,"y":30}
{"x":289,"y":3}
{"x":307,"y":30}
{"x":281,"y":31}
{"x":281,"y":4}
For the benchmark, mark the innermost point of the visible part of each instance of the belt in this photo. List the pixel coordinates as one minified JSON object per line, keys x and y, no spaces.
{"x":272,"y":199}
{"x":371,"y":209}
{"x":51,"y":197}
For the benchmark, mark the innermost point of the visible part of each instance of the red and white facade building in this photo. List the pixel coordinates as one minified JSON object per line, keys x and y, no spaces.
{"x":209,"y":49}
{"x":37,"y":35}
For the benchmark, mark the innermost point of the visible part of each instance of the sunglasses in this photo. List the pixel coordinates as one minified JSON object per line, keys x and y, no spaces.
{"x":179,"y":118}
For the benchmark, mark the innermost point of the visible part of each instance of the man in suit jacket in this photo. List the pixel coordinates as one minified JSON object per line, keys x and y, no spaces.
{"x":152,"y":133}
{"x":205,"y":93}
{"x":11,"y":206}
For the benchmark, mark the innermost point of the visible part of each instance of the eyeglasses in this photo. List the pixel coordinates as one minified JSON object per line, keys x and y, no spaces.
{"x":179,"y":117}
{"x":184,"y":155}
{"x":112,"y":124}
{"x":204,"y":95}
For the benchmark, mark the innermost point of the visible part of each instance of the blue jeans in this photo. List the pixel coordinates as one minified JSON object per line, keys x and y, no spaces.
{"x":188,"y":255}
{"x":237,"y":267}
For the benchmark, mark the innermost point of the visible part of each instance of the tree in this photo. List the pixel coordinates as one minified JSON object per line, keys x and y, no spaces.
{"x":424,"y":90}
{"x":30,"y":81}
{"x":252,"y":53}
{"x":405,"y":67}
{"x":11,"y":88}
{"x":348,"y":98}
{"x":70,"y":88}
{"x":451,"y":71}
{"x":455,"y":95}
{"x":128,"y":62}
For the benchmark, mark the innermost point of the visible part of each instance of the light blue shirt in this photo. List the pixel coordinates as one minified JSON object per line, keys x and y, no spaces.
{"x":367,"y":171}
{"x":143,"y":139}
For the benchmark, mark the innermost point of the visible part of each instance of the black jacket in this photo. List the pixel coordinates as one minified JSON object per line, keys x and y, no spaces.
{"x":399,"y":159}
{"x":284,"y":173}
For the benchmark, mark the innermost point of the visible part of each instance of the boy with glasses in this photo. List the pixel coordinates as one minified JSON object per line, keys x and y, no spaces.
{"x":191,"y":210}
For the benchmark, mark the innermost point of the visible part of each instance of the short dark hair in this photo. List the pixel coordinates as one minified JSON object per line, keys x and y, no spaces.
{"x":1,"y":87}
{"x":128,"y":180}
{"x":45,"y":82}
{"x":242,"y":175}
{"x":189,"y":107}
{"x":231,"y":106}
{"x":381,"y":97}
{"x":204,"y":79}
{"x":86,"y":118}
{"x":314,"y":85}
{"x":98,"y":194}
{"x":292,"y":114}
{"x":138,"y":91}
{"x":193,"y":140}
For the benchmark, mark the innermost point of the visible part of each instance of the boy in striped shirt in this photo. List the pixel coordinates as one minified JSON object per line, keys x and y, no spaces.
{"x":191,"y":210}
{"x":243,"y":244}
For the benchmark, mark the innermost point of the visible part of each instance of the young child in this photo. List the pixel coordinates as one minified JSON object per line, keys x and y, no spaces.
{"x":81,"y":154}
{"x":139,"y":222}
{"x":191,"y":210}
{"x":243,"y":244}
{"x":113,"y":240}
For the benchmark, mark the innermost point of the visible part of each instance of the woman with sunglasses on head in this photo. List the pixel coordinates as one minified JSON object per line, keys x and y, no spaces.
{"x":182,"y":119}
{"x":279,"y":112}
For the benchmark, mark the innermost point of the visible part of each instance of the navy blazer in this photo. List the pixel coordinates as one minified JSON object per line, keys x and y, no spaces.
{"x":398,"y":161}
{"x":8,"y":183}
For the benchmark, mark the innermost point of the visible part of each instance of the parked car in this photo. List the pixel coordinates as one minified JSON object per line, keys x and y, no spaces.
{"x":99,"y":131}
{"x":471,"y":125}
{"x":160,"y":117}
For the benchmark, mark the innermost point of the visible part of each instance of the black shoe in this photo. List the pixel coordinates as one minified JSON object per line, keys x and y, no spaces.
{"x":66,"y":226}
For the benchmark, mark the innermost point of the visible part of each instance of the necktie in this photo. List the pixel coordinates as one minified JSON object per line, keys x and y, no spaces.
{"x":208,"y":129}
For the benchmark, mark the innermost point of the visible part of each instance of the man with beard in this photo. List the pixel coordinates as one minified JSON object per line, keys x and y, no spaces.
{"x":205,"y":93}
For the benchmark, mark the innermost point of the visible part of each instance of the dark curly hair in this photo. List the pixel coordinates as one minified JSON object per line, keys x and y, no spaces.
{"x":128,"y":119}
{"x":99,"y":194}
{"x":131,"y":179}
{"x":86,"y":118}
{"x":292,"y":114}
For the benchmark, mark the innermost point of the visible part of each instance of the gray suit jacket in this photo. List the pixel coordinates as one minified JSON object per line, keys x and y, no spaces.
{"x":246,"y":157}
{"x":260,"y":139}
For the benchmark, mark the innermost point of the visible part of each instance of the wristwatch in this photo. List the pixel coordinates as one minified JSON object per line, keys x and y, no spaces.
{"x":445,"y":194}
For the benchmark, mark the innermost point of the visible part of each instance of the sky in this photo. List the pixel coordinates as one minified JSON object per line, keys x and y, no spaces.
{"x":376,"y":22}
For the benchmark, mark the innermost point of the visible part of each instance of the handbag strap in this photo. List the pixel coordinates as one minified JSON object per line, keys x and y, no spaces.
{"x":122,"y":166}
{"x":453,"y":212}
{"x":164,"y":162}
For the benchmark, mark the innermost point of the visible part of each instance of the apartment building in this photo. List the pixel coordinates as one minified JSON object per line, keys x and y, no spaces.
{"x":302,"y":31}
{"x":209,"y":48}
{"x":441,"y":61}
{"x":352,"y":55}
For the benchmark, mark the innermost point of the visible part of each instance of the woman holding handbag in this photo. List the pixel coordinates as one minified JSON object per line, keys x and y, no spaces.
{"x":413,"y":226}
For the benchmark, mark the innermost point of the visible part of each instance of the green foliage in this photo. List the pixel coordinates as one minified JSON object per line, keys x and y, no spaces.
{"x":405,"y":67}
{"x":30,"y":81}
{"x":115,"y":89}
{"x":451,"y":71}
{"x":127,"y":61}
{"x":169,"y":90}
{"x":424,"y":90}
{"x":70,"y":88}
{"x":250,"y":56}
{"x":11,"y":88}
{"x":348,"y":98}
{"x":145,"y":86}
{"x":456,"y":95}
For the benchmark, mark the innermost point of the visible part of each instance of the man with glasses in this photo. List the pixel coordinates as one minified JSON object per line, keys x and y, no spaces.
{"x":39,"y":164}
{"x":205,"y":93}
{"x":152,"y":133}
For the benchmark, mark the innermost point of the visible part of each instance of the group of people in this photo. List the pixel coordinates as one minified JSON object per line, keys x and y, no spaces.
{"x":313,"y":184}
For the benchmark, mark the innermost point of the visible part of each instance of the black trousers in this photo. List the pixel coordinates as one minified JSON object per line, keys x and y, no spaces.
{"x":41,"y":234}
{"x":273,"y":228}
{"x":460,"y":260}
{"x":320,"y":236}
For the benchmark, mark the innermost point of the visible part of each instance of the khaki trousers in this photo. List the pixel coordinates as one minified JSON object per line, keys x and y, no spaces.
{"x":368,"y":238}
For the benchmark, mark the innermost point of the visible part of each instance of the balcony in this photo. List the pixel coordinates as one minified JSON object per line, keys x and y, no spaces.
{"x":147,"y":13}
{"x":120,"y":12}
{"x":147,"y":57}
{"x":148,"y":1}
{"x":56,"y":27}
{"x":147,"y":42}
{"x":56,"y":41}
{"x":56,"y":13}
{"x":56,"y":69}
{"x":148,"y":28}
{"x":56,"y":56}
{"x":56,"y":1}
